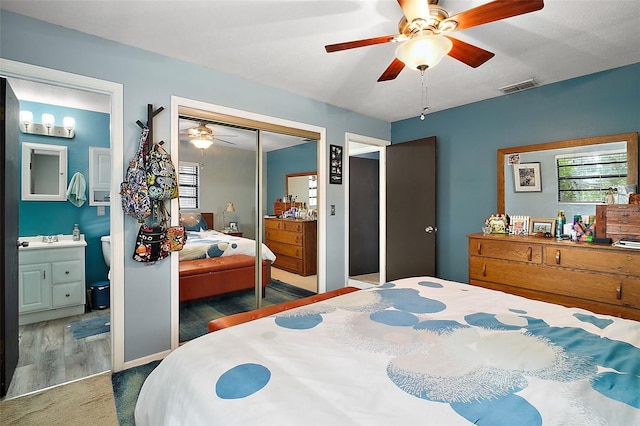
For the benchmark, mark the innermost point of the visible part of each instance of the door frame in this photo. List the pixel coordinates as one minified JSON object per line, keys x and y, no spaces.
{"x":374,"y":145}
{"x":30,"y":72}
{"x":322,"y":155}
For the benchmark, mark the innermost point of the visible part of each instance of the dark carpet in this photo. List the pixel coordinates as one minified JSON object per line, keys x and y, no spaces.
{"x":195,"y":314}
{"x":126,"y":388}
{"x":91,"y":327}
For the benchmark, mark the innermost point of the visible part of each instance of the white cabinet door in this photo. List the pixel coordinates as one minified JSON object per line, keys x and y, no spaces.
{"x":34,"y":287}
{"x":99,"y":176}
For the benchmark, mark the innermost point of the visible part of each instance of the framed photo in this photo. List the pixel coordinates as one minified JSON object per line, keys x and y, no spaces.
{"x":335,"y":164}
{"x":542,"y":225}
{"x":519,"y":225}
{"x":527,"y":177}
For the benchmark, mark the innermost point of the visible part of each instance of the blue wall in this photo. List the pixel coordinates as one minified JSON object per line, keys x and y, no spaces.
{"x":297,"y":159}
{"x":58,"y":217}
{"x":468,"y":137}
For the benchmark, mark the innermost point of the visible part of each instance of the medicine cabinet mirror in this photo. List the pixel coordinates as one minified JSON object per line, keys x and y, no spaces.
{"x":44,"y":172}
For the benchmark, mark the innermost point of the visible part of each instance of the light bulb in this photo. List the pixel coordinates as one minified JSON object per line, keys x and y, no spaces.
{"x":48,"y":121}
{"x":26,"y":119}
{"x":69,"y":123}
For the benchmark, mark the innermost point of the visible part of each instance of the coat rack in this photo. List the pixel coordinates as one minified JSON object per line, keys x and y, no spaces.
{"x":150,"y":116}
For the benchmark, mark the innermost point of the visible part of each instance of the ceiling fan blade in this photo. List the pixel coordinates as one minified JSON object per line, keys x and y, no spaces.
{"x":392,"y":70}
{"x":469,"y":54}
{"x":495,"y":11}
{"x":413,"y":9}
{"x":222,"y":140}
{"x":359,"y":43}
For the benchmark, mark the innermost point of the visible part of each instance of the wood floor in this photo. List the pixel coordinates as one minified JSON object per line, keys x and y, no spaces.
{"x":308,"y":283}
{"x":49,"y":354}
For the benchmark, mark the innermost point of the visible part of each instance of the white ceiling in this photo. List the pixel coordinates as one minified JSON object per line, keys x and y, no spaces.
{"x":281,"y":44}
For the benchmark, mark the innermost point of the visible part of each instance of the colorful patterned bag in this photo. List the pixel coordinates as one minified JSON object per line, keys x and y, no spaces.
{"x":151,"y":244}
{"x":133,"y":191}
{"x":162,"y":180}
{"x":176,"y":236}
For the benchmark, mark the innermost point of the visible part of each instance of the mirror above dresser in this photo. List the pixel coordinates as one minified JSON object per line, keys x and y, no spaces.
{"x":544,"y":203}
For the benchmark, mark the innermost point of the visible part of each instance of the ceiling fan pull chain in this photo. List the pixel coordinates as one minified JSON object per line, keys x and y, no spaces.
{"x":425,"y":87}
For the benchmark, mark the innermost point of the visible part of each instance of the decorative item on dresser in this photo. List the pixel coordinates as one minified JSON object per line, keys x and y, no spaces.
{"x":618,"y":221}
{"x":294,"y":242}
{"x":600,"y":278}
{"x":280,"y":207}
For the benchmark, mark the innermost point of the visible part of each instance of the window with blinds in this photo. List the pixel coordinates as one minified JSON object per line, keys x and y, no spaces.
{"x":586,"y":178}
{"x":189,"y":185}
{"x":313,"y":192}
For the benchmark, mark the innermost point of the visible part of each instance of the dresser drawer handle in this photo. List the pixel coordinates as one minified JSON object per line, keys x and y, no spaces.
{"x":619,"y":292}
{"x":67,"y":295}
{"x":479,"y":247}
{"x":530,"y":253}
{"x":67,"y":272}
{"x":557,"y":257}
{"x":484,"y":269}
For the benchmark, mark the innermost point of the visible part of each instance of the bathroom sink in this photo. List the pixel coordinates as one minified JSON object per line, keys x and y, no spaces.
{"x":46,"y":242}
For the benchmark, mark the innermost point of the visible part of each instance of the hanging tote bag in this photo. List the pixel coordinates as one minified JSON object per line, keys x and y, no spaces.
{"x":151,"y":244}
{"x":162,"y":180}
{"x":176,"y":235}
{"x":134,"y":194}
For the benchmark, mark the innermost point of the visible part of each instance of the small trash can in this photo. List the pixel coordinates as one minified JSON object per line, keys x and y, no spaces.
{"x":100,"y":295}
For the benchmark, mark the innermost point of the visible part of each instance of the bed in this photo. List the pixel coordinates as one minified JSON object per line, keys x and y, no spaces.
{"x":214,"y":263}
{"x":414,"y":351}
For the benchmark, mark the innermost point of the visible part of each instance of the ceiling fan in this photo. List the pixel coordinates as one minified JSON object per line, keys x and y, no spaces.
{"x":424,"y":29}
{"x":202,"y":136}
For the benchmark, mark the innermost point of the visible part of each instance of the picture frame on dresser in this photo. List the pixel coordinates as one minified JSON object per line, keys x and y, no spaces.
{"x":527,"y":178}
{"x":542,"y":225}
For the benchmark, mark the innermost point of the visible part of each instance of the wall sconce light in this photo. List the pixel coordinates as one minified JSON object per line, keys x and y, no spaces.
{"x":48,"y":126}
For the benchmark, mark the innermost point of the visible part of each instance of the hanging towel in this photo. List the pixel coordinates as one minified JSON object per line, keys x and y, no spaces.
{"x":76,"y":192}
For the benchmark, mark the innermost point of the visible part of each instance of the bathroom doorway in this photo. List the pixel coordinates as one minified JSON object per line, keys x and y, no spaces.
{"x":53,"y":344}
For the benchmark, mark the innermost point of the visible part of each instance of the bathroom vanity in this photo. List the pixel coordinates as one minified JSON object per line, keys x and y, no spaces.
{"x":51,"y":278}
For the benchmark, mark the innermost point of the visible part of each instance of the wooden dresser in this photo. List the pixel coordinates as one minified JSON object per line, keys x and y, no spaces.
{"x":600,"y":278}
{"x":294,"y":242}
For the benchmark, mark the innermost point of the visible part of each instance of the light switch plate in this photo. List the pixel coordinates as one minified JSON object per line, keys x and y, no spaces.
{"x":100,"y":210}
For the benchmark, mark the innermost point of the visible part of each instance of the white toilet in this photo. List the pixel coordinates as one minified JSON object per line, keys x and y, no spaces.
{"x":106,"y":253}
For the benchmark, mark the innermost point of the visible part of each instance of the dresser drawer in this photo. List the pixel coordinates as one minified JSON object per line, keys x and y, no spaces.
{"x":285,"y":249}
{"x":506,"y":250}
{"x":605,"y":288}
{"x":286,"y":237}
{"x":290,"y":264}
{"x":631,"y":292}
{"x":612,"y":261}
{"x":70,"y":270}
{"x":67,"y":294}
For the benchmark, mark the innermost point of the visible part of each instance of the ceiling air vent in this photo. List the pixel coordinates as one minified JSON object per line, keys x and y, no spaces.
{"x":518,"y":87}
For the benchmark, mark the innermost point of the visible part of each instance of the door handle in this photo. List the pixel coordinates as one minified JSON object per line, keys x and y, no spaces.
{"x":430,"y":229}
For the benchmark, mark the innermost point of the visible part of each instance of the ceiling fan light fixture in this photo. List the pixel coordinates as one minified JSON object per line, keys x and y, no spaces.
{"x":201,"y":143}
{"x":424,"y":51}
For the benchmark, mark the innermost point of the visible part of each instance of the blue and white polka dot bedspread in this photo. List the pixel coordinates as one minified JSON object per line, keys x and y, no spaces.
{"x":413,"y":351}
